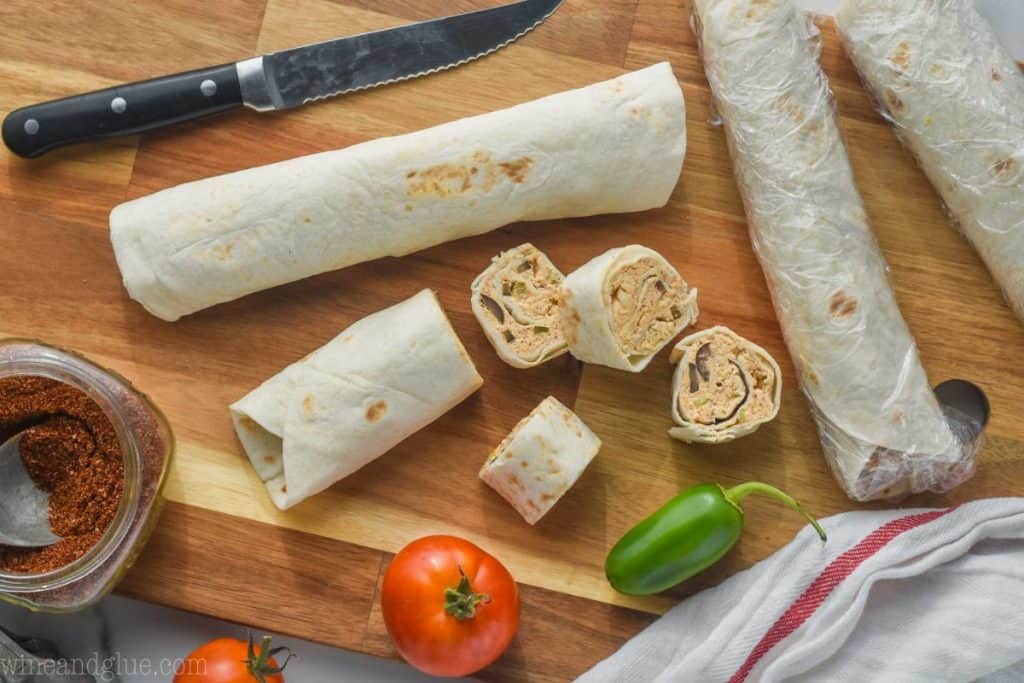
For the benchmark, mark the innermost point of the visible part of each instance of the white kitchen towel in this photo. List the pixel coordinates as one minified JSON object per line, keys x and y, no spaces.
{"x":896,"y":596}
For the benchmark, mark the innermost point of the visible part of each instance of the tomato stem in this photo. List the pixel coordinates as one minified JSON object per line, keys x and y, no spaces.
{"x":261,"y":665}
{"x":461,"y":602}
{"x":736,"y":495}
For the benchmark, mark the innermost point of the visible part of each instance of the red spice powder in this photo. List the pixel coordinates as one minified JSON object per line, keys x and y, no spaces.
{"x":70,"y":449}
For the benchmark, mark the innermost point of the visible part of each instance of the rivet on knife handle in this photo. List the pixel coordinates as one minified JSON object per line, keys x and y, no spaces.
{"x":122,"y":110}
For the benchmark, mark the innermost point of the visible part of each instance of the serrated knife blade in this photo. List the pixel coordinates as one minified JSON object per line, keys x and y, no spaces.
{"x":290,"y":78}
{"x":279,"y":80}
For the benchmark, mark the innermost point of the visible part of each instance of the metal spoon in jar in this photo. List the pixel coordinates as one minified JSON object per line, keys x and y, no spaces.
{"x":24,"y":507}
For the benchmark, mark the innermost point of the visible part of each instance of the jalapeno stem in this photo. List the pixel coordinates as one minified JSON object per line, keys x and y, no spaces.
{"x":736,"y":495}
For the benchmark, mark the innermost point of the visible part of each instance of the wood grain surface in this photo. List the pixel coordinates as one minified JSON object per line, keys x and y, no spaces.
{"x":319,"y":565}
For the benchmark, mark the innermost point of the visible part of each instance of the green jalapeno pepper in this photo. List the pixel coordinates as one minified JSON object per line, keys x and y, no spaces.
{"x":686,"y":536}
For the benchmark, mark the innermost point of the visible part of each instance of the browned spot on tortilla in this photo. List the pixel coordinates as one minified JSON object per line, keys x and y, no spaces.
{"x":640,"y":113}
{"x":410,"y":175}
{"x":222,"y":251}
{"x":553,"y":467}
{"x":268,"y":459}
{"x":284,"y":488}
{"x":307,"y":220}
{"x":443,"y":180}
{"x":517,"y":170}
{"x":894,"y":102}
{"x":248,"y":422}
{"x":901,"y":57}
{"x":524,"y":464}
{"x":812,"y":377}
{"x":376,"y":411}
{"x":996,"y":76}
{"x":937,"y":70}
{"x":514,"y":480}
{"x":841,"y":305}
{"x":1005,"y":167}
{"x":308,"y":405}
{"x":546,"y":497}
{"x":408,"y":208}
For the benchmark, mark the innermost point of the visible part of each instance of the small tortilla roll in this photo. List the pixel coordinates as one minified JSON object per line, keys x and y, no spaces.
{"x":624,"y":307}
{"x":541,"y":459}
{"x":956,"y":99}
{"x":516,"y":303}
{"x":725,"y":387}
{"x":380,"y":381}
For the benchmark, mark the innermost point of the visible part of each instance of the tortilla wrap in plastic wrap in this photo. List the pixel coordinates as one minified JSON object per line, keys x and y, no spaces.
{"x":956,"y":100}
{"x":882,"y":429}
{"x":516,"y":302}
{"x":613,"y":147}
{"x":541,"y":459}
{"x":380,"y":381}
{"x":724,"y":387}
{"x":623,"y":307}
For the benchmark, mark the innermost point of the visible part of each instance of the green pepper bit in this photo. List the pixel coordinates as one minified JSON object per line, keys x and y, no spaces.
{"x":690,"y":533}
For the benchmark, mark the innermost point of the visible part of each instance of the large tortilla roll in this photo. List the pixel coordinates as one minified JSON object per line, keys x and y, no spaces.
{"x":881,"y":427}
{"x":380,"y":381}
{"x":613,"y":147}
{"x":724,"y":387}
{"x":625,"y":306}
{"x":956,"y":99}
{"x":516,"y":302}
{"x":541,"y":459}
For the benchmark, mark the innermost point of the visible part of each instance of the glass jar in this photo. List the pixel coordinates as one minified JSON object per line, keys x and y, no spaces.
{"x":147,"y":445}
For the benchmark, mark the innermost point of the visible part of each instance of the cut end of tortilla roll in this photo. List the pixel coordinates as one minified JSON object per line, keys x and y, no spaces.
{"x":724,"y":387}
{"x":624,"y":307}
{"x":541,"y":459}
{"x":516,"y":301}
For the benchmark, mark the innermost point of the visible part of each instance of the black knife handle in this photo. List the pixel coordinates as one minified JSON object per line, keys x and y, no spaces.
{"x":122,"y":110}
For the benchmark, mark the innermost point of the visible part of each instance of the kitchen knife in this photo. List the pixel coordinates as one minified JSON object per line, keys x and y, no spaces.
{"x":280,"y":80}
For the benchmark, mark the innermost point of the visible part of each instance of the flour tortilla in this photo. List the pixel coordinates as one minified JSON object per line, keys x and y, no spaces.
{"x":956,"y":99}
{"x":613,"y":147}
{"x":590,"y":301}
{"x":380,"y":381}
{"x":760,"y":381}
{"x":881,"y":427}
{"x":541,"y":459}
{"x":516,"y":303}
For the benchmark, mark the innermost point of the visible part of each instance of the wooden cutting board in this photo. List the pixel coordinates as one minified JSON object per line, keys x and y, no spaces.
{"x":222,"y":548}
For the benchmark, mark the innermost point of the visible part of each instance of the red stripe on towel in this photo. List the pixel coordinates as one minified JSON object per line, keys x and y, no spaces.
{"x":834,"y":574}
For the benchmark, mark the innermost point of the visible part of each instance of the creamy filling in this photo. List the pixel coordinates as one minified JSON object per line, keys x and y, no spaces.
{"x":725,"y":382}
{"x":521,"y":299}
{"x":647,"y":301}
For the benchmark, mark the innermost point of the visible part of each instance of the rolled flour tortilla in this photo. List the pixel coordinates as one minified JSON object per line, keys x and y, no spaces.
{"x":541,"y":459}
{"x":623,"y":307}
{"x":881,"y":427}
{"x":724,"y":387}
{"x":613,"y":147}
{"x":956,"y":99}
{"x":380,"y":381}
{"x":516,"y":303}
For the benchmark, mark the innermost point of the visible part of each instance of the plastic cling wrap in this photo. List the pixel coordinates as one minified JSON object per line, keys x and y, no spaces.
{"x":882,"y":429}
{"x":956,"y":98}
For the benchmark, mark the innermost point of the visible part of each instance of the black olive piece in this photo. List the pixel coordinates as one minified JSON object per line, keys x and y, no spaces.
{"x":660,"y":286}
{"x":493,"y":306}
{"x":509,"y":337}
{"x":676,"y":313}
{"x":703,"y":356}
{"x":694,"y":379}
{"x":746,"y":395}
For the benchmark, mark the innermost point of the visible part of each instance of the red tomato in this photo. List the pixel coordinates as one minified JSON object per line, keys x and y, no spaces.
{"x":228,"y":660}
{"x":451,"y":608}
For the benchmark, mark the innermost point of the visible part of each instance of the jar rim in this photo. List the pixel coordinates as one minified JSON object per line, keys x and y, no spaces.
{"x":86,"y":376}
